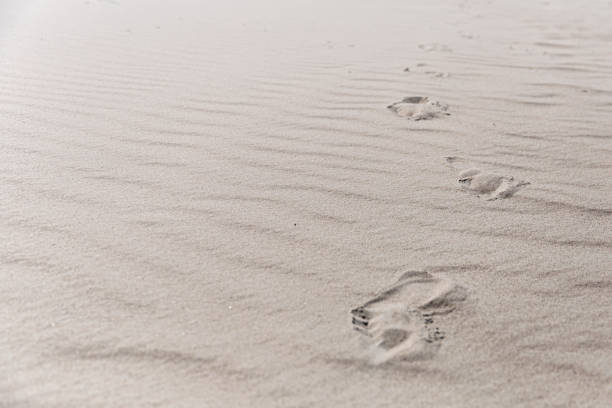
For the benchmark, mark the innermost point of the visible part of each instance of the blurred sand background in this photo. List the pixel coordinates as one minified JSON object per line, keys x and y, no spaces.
{"x":195,"y":195}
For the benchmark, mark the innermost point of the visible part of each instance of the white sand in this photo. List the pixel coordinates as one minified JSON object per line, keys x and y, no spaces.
{"x":196,"y":194}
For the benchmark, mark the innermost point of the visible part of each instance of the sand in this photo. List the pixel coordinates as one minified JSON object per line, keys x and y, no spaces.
{"x":209,"y":204}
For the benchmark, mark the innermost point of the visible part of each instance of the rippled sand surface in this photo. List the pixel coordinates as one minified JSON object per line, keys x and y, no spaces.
{"x":196,"y":194}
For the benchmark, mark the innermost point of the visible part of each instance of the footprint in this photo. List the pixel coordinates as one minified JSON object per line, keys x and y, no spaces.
{"x":466,"y":35}
{"x":419,"y":108}
{"x":436,"y":74}
{"x":398,"y":323}
{"x":433,"y":74}
{"x":488,"y":185}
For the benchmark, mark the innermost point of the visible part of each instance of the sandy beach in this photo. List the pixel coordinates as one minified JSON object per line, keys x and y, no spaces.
{"x":305,"y":203}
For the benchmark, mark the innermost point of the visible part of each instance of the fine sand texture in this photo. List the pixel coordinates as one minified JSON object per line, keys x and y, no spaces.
{"x":305,"y":203}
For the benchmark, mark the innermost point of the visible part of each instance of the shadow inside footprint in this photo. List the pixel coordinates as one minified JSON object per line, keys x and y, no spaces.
{"x":399,"y":321}
{"x":392,"y":338}
{"x":488,"y":185}
{"x":419,"y":108}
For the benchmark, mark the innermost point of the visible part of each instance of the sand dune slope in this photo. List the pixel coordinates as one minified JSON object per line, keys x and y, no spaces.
{"x":196,"y":194}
